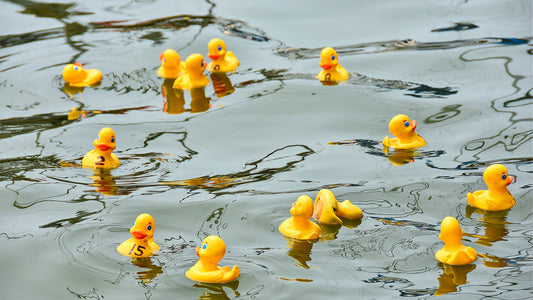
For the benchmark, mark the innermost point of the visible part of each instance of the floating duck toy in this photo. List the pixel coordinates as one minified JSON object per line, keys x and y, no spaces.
{"x":142,"y":243}
{"x":404,"y":129}
{"x":194,"y":77}
{"x":328,"y":210}
{"x":299,"y":226}
{"x":332,"y":70}
{"x":454,"y":253}
{"x":223,"y":61}
{"x":102,"y":157}
{"x":497,"y":197}
{"x":206,"y":269}
{"x":77,"y":76}
{"x":171,"y":65}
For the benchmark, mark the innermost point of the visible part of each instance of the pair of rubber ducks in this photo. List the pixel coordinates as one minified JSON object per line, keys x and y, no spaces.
{"x":213,"y":249}
{"x":326,"y":211}
{"x":190,"y":75}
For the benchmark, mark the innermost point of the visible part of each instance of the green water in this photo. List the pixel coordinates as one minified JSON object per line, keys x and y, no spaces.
{"x":233,"y":165}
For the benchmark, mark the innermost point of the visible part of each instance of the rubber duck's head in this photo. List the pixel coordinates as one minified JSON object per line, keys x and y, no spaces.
{"x":450,"y":231}
{"x":74,"y":73}
{"x":496,"y":176}
{"x":328,"y":58}
{"x":143,"y":228}
{"x":401,"y":126}
{"x":170,"y":59}
{"x":217,"y":48}
{"x":212,"y":249}
{"x":302,"y":207}
{"x":105,"y":142}
{"x":195,"y":63}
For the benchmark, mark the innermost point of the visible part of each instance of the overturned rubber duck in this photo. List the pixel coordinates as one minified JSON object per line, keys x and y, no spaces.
{"x":75,"y":75}
{"x":404,"y":129}
{"x":194,"y":77}
{"x":101,"y":157}
{"x":329,"y":211}
{"x":206,"y":269}
{"x":497,"y":197}
{"x":299,"y":226}
{"x":142,"y":243}
{"x":223,"y":60}
{"x":332,"y":70}
{"x":453,"y":252}
{"x":171,"y":65}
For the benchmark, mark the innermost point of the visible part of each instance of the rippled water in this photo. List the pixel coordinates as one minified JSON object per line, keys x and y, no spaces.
{"x":231,"y":160}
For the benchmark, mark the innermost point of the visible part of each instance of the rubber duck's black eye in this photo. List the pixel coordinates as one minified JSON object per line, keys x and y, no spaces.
{"x":202,"y":64}
{"x":149,"y":227}
{"x":219,"y":48}
{"x":406,"y":123}
{"x":112,"y":139}
{"x":98,"y":137}
{"x":333,"y":57}
{"x":504,"y":176}
{"x":204,"y":246}
{"x":76,"y":68}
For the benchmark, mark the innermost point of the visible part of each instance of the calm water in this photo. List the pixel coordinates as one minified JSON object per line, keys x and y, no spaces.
{"x":231,"y":163}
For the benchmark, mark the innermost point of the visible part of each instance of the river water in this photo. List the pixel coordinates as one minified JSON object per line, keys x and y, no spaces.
{"x":230,"y":161}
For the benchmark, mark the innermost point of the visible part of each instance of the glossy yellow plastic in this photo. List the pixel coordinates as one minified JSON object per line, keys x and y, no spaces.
{"x":299,"y":226}
{"x":328,"y":210}
{"x":497,"y":197}
{"x":101,"y":157}
{"x":171,"y":65}
{"x":77,"y":76}
{"x":332,"y":70}
{"x":223,"y":61}
{"x":194,"y":77}
{"x":142,"y":243}
{"x":454,"y":253}
{"x":206,"y":269}
{"x":404,"y":129}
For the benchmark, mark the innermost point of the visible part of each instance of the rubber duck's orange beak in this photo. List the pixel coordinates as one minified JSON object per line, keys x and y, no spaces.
{"x":414,"y":124}
{"x":161,"y":56}
{"x":213,"y":56}
{"x":103,"y":147}
{"x":198,"y":251}
{"x":78,"y":64}
{"x":325,"y":66}
{"x":138,"y":235}
{"x":204,"y":65}
{"x":509,"y":179}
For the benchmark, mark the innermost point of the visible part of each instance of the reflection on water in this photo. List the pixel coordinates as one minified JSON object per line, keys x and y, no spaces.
{"x":221,"y":84}
{"x":396,"y":157}
{"x":300,"y":250}
{"x":452,"y":277}
{"x":494,"y":223}
{"x":215,"y":291}
{"x":150,"y":271}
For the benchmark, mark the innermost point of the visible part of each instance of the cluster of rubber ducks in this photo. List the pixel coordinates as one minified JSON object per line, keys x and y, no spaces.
{"x":325,"y":209}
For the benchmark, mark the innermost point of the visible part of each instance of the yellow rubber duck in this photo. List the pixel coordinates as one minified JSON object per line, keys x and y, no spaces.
{"x":332,"y":70}
{"x":223,"y":61}
{"x":171,"y":65}
{"x":142,"y":243}
{"x":206,"y":269}
{"x":299,"y":226}
{"x":101,"y":157}
{"x":194,"y":77}
{"x":497,"y":197}
{"x":77,"y":76}
{"x":453,"y":253}
{"x":404,"y":129}
{"x":328,"y":210}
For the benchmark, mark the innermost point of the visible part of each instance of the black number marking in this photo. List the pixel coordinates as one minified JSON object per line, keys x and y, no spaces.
{"x":217,"y":67}
{"x":328,"y":77}
{"x":100,"y":161}
{"x":139,"y":251}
